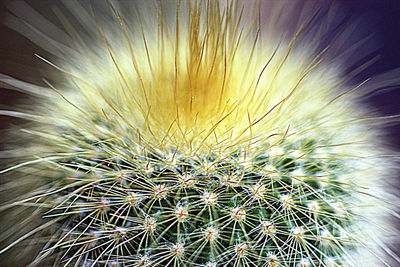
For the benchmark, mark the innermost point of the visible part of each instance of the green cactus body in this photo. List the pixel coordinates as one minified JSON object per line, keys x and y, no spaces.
{"x":145,"y":206}
{"x":199,"y":144}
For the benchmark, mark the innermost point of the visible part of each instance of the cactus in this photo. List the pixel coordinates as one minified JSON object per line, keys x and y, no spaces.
{"x":205,"y":143}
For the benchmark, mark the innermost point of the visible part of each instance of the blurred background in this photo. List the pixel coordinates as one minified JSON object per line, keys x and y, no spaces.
{"x":380,"y":17}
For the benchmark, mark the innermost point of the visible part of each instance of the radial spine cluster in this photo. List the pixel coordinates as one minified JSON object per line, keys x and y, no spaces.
{"x":278,"y":205}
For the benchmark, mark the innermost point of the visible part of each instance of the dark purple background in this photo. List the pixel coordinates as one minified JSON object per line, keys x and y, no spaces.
{"x":381,"y":17}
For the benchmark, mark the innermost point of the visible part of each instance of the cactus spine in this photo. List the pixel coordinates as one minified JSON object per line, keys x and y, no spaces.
{"x":199,"y":144}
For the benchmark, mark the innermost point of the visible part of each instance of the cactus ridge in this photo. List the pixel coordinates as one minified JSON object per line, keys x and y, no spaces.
{"x":273,"y":206}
